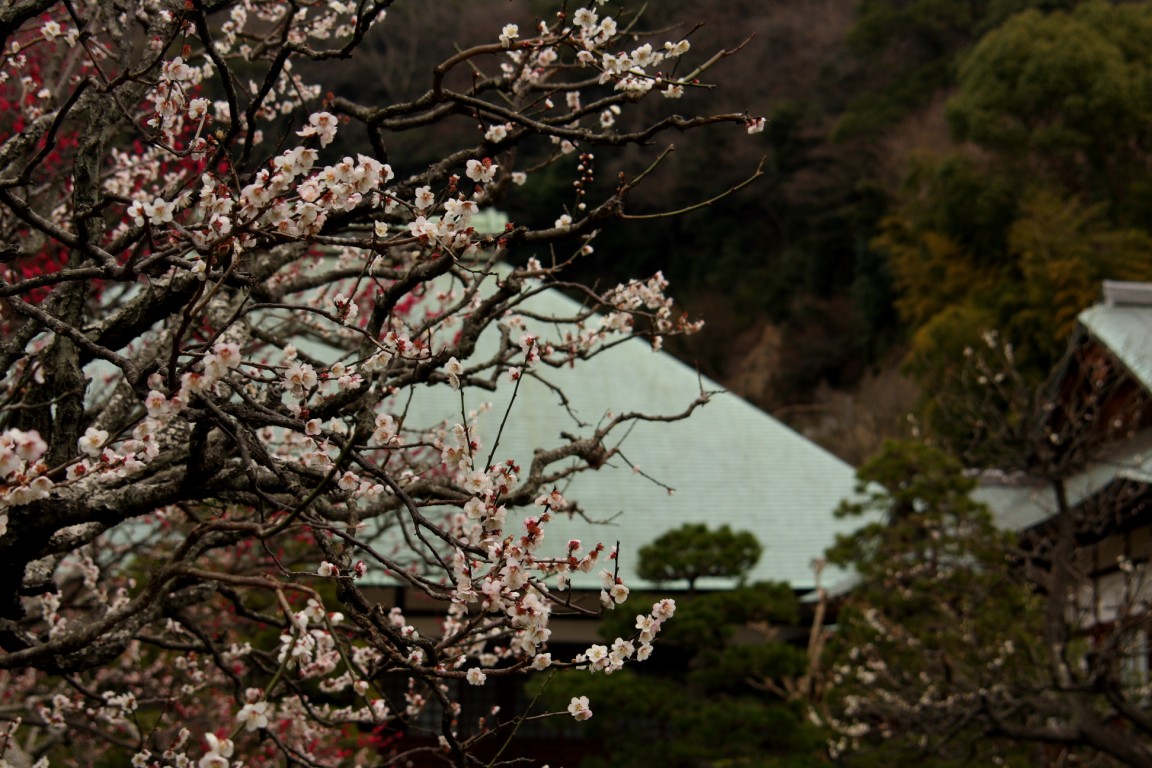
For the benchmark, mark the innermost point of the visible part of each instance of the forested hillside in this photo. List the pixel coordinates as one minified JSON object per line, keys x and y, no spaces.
{"x":934,"y":169}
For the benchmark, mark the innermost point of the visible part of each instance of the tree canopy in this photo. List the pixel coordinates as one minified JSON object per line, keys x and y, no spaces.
{"x":694,"y":551}
{"x":1067,"y":93}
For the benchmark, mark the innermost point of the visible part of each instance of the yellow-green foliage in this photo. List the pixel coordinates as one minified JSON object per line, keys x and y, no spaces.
{"x":1064,"y":250}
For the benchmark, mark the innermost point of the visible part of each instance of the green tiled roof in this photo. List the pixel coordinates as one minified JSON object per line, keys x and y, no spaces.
{"x":1126,"y":329}
{"x":730,"y":463}
{"x":1122,"y":324}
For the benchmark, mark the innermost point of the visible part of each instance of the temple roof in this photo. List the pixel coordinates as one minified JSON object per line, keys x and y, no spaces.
{"x":729,"y":463}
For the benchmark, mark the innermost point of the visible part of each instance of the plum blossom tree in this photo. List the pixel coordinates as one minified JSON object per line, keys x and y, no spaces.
{"x":215,"y":318}
{"x":941,"y":625}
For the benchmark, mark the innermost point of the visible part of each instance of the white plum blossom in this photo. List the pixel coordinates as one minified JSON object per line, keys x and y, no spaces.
{"x":579,"y":709}
{"x":454,"y":370}
{"x":481,"y":171}
{"x":254,"y":716}
{"x":496,"y":133}
{"x":509,"y":33}
{"x":421,"y":227}
{"x":664,"y":609}
{"x":92,"y":442}
{"x":424,"y":197}
{"x":197,"y":108}
{"x":618,"y":593}
{"x":299,"y":378}
{"x":585,"y":18}
{"x":219,"y":750}
{"x":159,"y":211}
{"x":322,"y":125}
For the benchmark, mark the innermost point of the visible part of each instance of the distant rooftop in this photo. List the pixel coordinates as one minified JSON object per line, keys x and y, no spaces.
{"x":1122,"y":323}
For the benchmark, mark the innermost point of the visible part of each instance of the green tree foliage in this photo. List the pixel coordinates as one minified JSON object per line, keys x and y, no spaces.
{"x":693,"y":551}
{"x":947,"y":248}
{"x":929,"y":524}
{"x":1064,"y":250}
{"x":907,"y":51}
{"x":1066,"y":92}
{"x":645,"y":720}
{"x":1029,"y":261}
{"x":708,"y":697}
{"x":938,"y":641}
